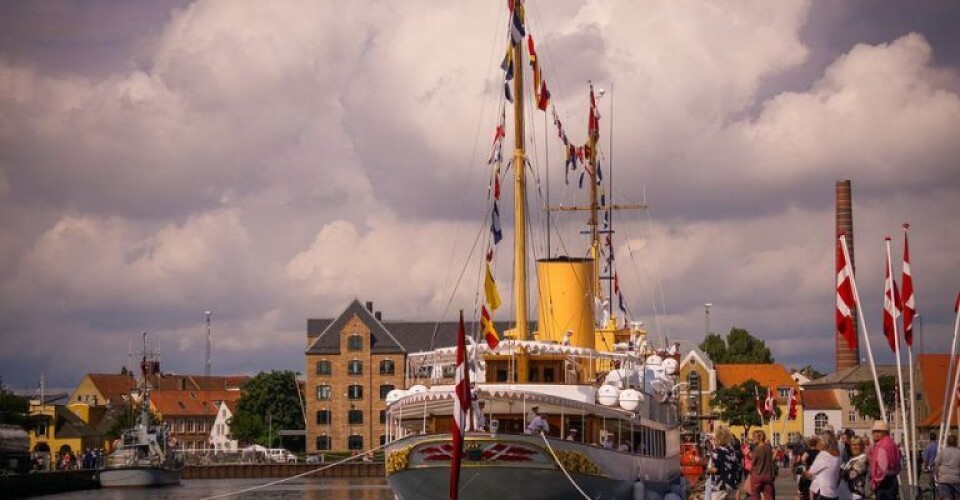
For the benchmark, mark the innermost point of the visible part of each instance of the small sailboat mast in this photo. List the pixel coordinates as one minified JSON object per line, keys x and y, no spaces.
{"x":520,"y":193}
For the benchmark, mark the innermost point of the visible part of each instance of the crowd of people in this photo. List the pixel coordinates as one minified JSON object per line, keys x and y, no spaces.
{"x":827,"y":466}
{"x":92,"y":458}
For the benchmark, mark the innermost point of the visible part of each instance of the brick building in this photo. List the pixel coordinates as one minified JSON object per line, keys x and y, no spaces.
{"x":352,"y":362}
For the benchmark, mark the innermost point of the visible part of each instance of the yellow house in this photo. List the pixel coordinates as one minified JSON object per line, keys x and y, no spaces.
{"x":777,"y":378}
{"x":59,"y":429}
{"x":700,"y":382}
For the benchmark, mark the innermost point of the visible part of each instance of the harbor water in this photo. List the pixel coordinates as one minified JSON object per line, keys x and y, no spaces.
{"x":301,"y":488}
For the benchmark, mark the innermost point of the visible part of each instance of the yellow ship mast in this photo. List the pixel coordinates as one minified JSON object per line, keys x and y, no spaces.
{"x":520,"y":194}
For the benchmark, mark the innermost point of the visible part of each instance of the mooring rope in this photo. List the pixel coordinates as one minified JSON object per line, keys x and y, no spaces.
{"x":565,"y":473}
{"x":283,"y":480}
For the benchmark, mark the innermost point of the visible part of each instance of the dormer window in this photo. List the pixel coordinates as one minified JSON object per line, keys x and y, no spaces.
{"x":355,"y":343}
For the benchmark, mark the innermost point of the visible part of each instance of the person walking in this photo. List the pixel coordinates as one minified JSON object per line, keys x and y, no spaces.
{"x":725,"y":468}
{"x":884,"y":459}
{"x":825,"y":471}
{"x":854,"y":471}
{"x":930,"y":453}
{"x":946,"y":470}
{"x":761,"y":474}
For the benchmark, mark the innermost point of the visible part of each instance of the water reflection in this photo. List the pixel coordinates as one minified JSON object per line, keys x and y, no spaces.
{"x":303,"y":488}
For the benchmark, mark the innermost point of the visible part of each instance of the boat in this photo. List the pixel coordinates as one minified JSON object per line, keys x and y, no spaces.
{"x":580,"y":405}
{"x":145,"y":454}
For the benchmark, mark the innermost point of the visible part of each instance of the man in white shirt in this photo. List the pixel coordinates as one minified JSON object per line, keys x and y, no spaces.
{"x":537,"y":424}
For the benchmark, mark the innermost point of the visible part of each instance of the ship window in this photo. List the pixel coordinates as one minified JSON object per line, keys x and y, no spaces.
{"x":355,"y":367}
{"x":323,"y":417}
{"x":385,"y":389}
{"x":355,"y":392}
{"x":323,"y":392}
{"x":323,"y":442}
{"x":355,"y":417}
{"x":548,"y":375}
{"x":449,"y":371}
{"x":501,"y":374}
{"x":324,"y":367}
{"x":355,"y":442}
{"x":355,"y":343}
{"x":386,"y":367}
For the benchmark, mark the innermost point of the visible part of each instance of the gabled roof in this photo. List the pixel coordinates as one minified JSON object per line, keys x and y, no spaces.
{"x":113,"y":386}
{"x":69,"y":425}
{"x":820,"y":399}
{"x":417,"y":336}
{"x":772,"y":375}
{"x":849,"y":377}
{"x":190,"y":403}
{"x":328,"y":341}
{"x":933,"y":376}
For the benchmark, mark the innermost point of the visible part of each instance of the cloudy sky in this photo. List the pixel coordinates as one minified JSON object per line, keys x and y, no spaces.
{"x":270,"y":161}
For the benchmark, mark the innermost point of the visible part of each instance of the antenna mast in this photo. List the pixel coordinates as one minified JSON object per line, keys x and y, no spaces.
{"x":206,"y":367}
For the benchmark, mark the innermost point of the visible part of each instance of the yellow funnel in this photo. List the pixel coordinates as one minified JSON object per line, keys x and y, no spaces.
{"x":565,"y":295}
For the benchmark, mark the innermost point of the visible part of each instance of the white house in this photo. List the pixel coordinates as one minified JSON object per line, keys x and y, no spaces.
{"x":820,"y":408}
{"x":220,"y":432}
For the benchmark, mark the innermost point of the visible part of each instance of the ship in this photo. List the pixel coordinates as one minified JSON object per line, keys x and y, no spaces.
{"x":578,"y":405}
{"x":145,"y":454}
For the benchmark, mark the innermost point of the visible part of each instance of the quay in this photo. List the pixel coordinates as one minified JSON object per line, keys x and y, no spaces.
{"x":47,"y":483}
{"x":234,"y":471}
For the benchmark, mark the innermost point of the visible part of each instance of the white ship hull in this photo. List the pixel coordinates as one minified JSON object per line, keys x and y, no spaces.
{"x":522,"y":467}
{"x":137,"y":477}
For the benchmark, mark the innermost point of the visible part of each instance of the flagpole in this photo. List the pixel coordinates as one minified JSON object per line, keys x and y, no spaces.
{"x":896,"y":349}
{"x":956,"y":378}
{"x":944,"y":419}
{"x":913,"y":416}
{"x":866,"y":335}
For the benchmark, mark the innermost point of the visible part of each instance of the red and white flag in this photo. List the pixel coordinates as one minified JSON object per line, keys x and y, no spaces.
{"x":845,"y":298}
{"x":769,"y":403}
{"x":909,"y":303}
{"x":792,"y":413}
{"x":756,"y":396}
{"x":891,"y":303}
{"x":461,"y":405}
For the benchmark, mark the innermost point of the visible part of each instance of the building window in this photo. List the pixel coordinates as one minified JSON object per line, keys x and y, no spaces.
{"x":693,"y":381}
{"x":323,"y":442}
{"x":191,"y":425}
{"x":776,"y":439}
{"x":383,"y":416}
{"x":323,"y":392}
{"x":179,"y":425}
{"x":819,"y":422}
{"x":783,"y":392}
{"x":324,"y":367}
{"x":355,"y":442}
{"x":355,"y":392}
{"x":355,"y":417}
{"x":41,"y":429}
{"x":383,"y":439}
{"x":852,"y":415}
{"x":355,"y":367}
{"x":387,"y":367}
{"x":323,"y":417}
{"x":385,"y":389}
{"x":355,"y":343}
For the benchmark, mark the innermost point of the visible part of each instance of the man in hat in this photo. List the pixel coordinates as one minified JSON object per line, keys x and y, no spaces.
{"x":574,"y":434}
{"x":884,"y":463}
{"x":537,"y":424}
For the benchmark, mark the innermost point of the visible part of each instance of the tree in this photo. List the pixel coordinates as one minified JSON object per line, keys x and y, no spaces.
{"x":127,"y":417}
{"x":864,"y":397}
{"x":272,"y":394}
{"x":738,"y":348}
{"x":14,"y":410}
{"x":738,"y":404}
{"x":809,"y":371}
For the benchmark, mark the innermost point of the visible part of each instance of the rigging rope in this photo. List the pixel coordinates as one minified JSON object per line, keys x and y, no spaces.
{"x":272,"y":483}
{"x":565,"y":473}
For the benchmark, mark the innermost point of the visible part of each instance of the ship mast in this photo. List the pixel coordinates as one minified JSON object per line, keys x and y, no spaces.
{"x":520,"y":194}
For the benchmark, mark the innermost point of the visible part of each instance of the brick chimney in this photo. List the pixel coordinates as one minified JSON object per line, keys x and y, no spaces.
{"x":844,"y":356}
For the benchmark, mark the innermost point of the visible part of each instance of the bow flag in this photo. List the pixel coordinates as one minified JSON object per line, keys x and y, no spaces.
{"x":495,"y":224}
{"x":461,"y":405}
{"x":909,"y":303}
{"x":792,"y":413}
{"x":768,"y":404}
{"x":891,"y":304}
{"x":845,"y":299}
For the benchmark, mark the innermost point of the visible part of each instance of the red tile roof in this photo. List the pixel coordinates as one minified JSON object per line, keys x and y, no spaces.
{"x":823,"y":399}
{"x":768,"y":375}
{"x":113,"y":386}
{"x":190,"y":403}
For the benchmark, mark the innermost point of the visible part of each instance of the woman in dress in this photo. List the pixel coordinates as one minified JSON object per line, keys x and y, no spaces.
{"x":854,"y":472}
{"x":725,"y":469}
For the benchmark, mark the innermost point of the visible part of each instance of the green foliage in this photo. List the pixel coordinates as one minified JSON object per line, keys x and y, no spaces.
{"x":126,"y":419}
{"x":810,"y":372}
{"x":267,"y":397}
{"x":14,"y":410}
{"x":865,"y":396}
{"x":738,"y":404}
{"x":738,"y":348}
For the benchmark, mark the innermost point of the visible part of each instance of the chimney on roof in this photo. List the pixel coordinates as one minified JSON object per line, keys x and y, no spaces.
{"x":370,"y":306}
{"x":378,"y":315}
{"x":844,"y":356}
